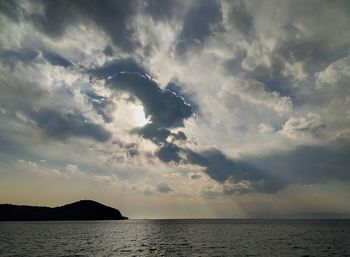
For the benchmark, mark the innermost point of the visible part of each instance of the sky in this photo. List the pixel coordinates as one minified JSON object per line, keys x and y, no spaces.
{"x":177,"y":109}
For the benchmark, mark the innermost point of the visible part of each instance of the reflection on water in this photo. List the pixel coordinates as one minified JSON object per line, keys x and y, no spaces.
{"x":177,"y":238}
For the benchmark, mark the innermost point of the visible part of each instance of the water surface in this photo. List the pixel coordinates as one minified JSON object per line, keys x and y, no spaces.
{"x":176,"y":238}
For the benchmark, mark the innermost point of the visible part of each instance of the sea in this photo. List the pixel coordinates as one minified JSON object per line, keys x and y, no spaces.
{"x":214,"y":237}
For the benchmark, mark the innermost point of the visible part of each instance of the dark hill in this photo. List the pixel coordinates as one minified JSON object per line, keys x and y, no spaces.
{"x":81,"y":210}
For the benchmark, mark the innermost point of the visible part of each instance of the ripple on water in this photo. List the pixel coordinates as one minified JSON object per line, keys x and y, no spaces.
{"x":176,"y":238}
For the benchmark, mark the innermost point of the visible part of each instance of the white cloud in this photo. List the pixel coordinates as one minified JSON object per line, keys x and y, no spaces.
{"x":303,"y":129}
{"x":255,"y":92}
{"x":336,"y":74}
{"x":265,"y":128}
{"x":73,"y":170}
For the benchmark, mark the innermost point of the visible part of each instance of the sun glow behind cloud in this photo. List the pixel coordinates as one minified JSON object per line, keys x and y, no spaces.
{"x":139,"y":116}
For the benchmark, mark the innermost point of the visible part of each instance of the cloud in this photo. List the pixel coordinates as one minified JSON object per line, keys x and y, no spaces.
{"x":113,"y":17}
{"x":169,"y":152}
{"x":10,"y":57}
{"x":306,"y":164}
{"x":283,"y":54}
{"x":12,"y":9}
{"x":56,"y":59}
{"x":73,"y":170}
{"x":195,"y":176}
{"x":102,"y":105}
{"x":237,"y":177}
{"x":196,"y":30}
{"x":265,"y":128}
{"x":270,"y":173}
{"x":241,"y":19}
{"x":257,"y":93}
{"x":179,"y":136}
{"x":115,"y":66}
{"x":159,"y":135}
{"x":19,"y":92}
{"x":223,"y":169}
{"x":342,"y":138}
{"x":163,"y":9}
{"x":303,"y":128}
{"x":65,"y":125}
{"x":50,"y":106}
{"x":25,"y":55}
{"x":163,"y":188}
{"x":168,"y":110}
{"x":165,"y":107}
{"x":336,"y":74}
{"x":218,"y":166}
{"x":153,"y":132}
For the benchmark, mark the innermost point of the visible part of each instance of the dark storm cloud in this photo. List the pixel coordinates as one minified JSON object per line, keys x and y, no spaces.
{"x":304,"y":165}
{"x":158,"y":135}
{"x":10,"y":57}
{"x":200,"y":21}
{"x":56,"y":59}
{"x":11,"y":9}
{"x":163,"y":188}
{"x":115,"y":66}
{"x":217,"y":165}
{"x":221,"y":168}
{"x":166,"y":108}
{"x":179,"y":136}
{"x":241,"y":19}
{"x":176,"y":87}
{"x":62,"y":126}
{"x":169,"y":152}
{"x":246,"y":177}
{"x":108,"y":51}
{"x":309,"y":164}
{"x":163,"y":9}
{"x":56,"y":17}
{"x":25,"y":55}
{"x":153,"y":132}
{"x":114,"y":17}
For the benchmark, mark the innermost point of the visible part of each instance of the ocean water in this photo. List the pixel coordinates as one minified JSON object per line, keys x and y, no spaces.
{"x":176,"y":238}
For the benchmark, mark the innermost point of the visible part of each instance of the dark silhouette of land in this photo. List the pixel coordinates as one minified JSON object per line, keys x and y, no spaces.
{"x":81,"y":210}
